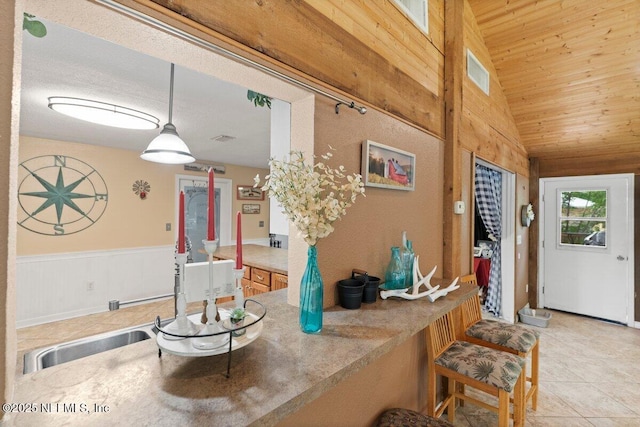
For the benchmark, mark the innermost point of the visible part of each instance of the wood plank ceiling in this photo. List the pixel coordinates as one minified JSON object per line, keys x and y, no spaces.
{"x":570,"y":70}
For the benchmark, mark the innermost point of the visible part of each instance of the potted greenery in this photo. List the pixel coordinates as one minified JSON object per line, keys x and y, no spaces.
{"x":237,"y":321}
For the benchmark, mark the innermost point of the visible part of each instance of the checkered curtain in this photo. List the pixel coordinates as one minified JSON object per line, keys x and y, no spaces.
{"x":489,"y":202}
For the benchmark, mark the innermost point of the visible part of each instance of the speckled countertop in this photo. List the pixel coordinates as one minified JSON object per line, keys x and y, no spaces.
{"x":264,"y":257}
{"x":271,"y":378}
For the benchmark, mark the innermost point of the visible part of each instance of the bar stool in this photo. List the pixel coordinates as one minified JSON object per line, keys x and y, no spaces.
{"x":492,"y":371}
{"x":515,"y":339}
{"x":399,"y":417}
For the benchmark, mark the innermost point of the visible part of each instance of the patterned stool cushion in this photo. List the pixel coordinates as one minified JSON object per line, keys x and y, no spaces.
{"x":398,"y":417}
{"x":494,"y":367}
{"x":516,"y":337}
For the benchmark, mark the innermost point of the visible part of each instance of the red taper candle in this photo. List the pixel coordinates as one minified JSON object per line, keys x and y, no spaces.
{"x":239,"y":241}
{"x":181,"y":248}
{"x":211,"y":229}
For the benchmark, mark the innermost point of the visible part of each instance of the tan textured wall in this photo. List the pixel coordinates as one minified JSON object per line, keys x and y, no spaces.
{"x":10,"y":66}
{"x":522,"y":250}
{"x":395,"y":380}
{"x":128,"y":221}
{"x":364,"y":236}
{"x":242,"y":175}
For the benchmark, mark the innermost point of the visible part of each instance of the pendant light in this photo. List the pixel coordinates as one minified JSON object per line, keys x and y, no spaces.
{"x":168,"y":147}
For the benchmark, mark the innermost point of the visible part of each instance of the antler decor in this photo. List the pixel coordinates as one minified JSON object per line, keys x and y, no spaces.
{"x":433,"y":292}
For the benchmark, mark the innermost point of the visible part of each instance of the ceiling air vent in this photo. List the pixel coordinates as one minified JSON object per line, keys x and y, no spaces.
{"x":223,"y":138}
{"x":477,"y":73}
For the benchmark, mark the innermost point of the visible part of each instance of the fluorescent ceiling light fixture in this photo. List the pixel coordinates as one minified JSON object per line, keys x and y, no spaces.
{"x":103,"y":113}
{"x":168,"y":147}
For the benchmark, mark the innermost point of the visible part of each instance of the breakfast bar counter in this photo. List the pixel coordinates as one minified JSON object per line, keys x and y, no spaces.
{"x":273,"y":378}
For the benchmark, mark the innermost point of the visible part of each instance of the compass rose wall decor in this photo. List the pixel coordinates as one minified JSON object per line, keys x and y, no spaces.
{"x":59,"y":195}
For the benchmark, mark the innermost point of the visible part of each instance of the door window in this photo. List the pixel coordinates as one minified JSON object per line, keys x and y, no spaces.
{"x":583,"y":218}
{"x":196,"y":206}
{"x":196,"y":222}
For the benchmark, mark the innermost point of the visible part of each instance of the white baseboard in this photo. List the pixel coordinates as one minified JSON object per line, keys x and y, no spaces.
{"x":60,"y":316}
{"x":261,"y":242}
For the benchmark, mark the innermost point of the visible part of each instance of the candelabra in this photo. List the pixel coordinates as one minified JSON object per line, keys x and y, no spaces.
{"x":181,"y":325}
{"x":238,"y":296}
{"x":212,"y":326}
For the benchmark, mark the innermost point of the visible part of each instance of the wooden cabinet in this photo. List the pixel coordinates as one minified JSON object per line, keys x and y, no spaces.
{"x":255,"y":288}
{"x":260,"y":276}
{"x":258,"y":280}
{"x":279,"y":281}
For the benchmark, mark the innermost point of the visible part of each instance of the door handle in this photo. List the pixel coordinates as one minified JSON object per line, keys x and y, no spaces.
{"x":622,"y":258}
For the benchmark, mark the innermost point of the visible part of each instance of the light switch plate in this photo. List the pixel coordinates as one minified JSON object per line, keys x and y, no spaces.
{"x":458,"y":207}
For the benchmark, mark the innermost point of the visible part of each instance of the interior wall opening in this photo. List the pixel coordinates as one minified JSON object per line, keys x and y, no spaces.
{"x":148,"y":40}
{"x":494,"y":241}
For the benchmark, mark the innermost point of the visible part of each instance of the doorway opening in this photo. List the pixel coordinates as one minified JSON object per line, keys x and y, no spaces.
{"x":494,"y":241}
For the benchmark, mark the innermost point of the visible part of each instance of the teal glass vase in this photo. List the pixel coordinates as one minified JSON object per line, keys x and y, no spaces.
{"x":407,"y":261}
{"x":394,"y":277}
{"x":311,"y":294}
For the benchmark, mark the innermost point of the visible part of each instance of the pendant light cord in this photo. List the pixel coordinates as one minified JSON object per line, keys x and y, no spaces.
{"x":171,"y":95}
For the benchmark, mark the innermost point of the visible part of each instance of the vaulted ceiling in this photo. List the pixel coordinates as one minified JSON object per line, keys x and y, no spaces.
{"x":570,"y":70}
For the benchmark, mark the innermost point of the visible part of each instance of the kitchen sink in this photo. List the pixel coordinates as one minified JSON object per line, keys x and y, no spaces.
{"x":47,"y":357}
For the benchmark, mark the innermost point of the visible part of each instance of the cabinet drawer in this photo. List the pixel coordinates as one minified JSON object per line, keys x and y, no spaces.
{"x":261,"y":276}
{"x":255,"y":288}
{"x":279,"y":281}
{"x":246,"y":286}
{"x":247,"y":272}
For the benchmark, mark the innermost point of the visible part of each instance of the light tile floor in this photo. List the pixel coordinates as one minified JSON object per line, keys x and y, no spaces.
{"x":589,"y":369}
{"x":589,"y":376}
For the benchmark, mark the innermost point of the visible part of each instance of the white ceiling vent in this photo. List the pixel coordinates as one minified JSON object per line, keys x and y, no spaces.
{"x":477,"y":73}
{"x":223,"y":138}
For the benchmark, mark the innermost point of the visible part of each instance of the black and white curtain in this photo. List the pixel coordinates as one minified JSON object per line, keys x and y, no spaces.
{"x":489,"y":203}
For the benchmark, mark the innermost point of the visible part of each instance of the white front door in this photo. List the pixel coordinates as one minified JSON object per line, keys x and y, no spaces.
{"x":587,"y":252}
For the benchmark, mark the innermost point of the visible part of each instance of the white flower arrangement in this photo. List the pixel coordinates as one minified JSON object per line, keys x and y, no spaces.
{"x":530,"y":213}
{"x":313,"y":196}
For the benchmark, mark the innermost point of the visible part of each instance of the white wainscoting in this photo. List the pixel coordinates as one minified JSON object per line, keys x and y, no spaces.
{"x":56,"y":287}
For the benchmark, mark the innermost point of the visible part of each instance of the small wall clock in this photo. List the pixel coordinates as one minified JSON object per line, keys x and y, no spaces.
{"x":59,"y":195}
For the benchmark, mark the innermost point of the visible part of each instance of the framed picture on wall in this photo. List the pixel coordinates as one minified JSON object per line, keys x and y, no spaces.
{"x":249,"y":192}
{"x":387,"y":167}
{"x":250,"y":208}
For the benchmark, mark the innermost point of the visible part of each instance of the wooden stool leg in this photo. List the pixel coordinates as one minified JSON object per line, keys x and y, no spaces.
{"x":431,"y":392}
{"x":503,"y":408}
{"x":451,"y":407}
{"x":519,"y":400}
{"x":535,"y":360}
